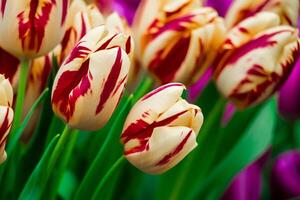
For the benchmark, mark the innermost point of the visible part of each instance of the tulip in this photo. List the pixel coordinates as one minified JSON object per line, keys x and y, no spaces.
{"x":90,"y":82}
{"x":178,"y":40}
{"x":289,"y":98}
{"x":285,"y":176}
{"x":161,"y":129}
{"x":257,"y":57}
{"x":247,"y":185}
{"x":81,"y":19}
{"x":32,"y":28}
{"x":242,"y":9}
{"x":6,"y":114}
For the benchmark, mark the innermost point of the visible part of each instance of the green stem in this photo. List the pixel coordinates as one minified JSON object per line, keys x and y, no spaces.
{"x":114,"y":169}
{"x":20,"y":96}
{"x":143,"y":88}
{"x":208,"y":126}
{"x":63,"y":140}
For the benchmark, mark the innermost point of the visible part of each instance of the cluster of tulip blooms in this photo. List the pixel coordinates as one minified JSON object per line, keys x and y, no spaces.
{"x":96,"y":55}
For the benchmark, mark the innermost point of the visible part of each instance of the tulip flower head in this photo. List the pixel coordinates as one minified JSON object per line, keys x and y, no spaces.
{"x":288,"y":10}
{"x":257,"y":57}
{"x":89,"y":84}
{"x":161,"y":129}
{"x":285,"y":176}
{"x":32,"y":28}
{"x":177,"y":40}
{"x":6,"y":114}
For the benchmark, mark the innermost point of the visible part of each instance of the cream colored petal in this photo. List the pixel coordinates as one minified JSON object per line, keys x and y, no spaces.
{"x":167,"y":147}
{"x":149,"y":107}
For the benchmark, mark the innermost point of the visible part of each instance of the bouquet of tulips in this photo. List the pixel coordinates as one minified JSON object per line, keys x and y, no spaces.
{"x":149,"y":99}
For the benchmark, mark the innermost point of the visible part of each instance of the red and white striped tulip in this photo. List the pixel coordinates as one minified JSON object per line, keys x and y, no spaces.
{"x":177,"y":40}
{"x":32,"y":28}
{"x":81,"y":19}
{"x":90,"y":83}
{"x":6,"y":114}
{"x":161,"y":129}
{"x":288,"y":10}
{"x":257,"y":57}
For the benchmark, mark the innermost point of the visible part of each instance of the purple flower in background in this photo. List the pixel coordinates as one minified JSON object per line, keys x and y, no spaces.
{"x":220,"y":5}
{"x":289,"y":97}
{"x":196,"y":89}
{"x":285,"y":176}
{"x":247,"y":185}
{"x":125,"y":8}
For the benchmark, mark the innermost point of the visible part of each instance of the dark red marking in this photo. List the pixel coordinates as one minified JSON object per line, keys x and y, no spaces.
{"x":70,"y":86}
{"x":260,"y":42}
{"x":65,"y":4}
{"x":142,"y":131}
{"x":128,"y":45}
{"x":121,"y":82}
{"x":243,"y":30}
{"x":166,"y":68}
{"x":168,"y":157}
{"x":83,"y":26}
{"x":3,"y":5}
{"x":105,"y":44}
{"x":161,"y":88}
{"x":8,"y":64}
{"x":5,"y":124}
{"x":78,"y":52}
{"x":65,"y":42}
{"x":111,"y":81}
{"x":32,"y":29}
{"x":273,"y":78}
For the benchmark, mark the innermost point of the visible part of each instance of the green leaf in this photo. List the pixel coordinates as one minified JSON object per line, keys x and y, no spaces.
{"x":103,"y":162}
{"x":256,"y":139}
{"x":35,"y":184}
{"x":52,"y":187}
{"x":13,"y":142}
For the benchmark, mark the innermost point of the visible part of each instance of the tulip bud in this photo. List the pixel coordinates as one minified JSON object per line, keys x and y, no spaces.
{"x":177,"y":40}
{"x":285,"y":176}
{"x":6,"y":114}
{"x":242,"y":9}
{"x":89,"y":84}
{"x":81,"y":19}
{"x":161,"y":129}
{"x":256,"y":59}
{"x":32,"y":28}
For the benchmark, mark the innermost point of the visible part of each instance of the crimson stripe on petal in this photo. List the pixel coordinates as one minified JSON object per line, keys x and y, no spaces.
{"x":33,"y":27}
{"x":142,"y":131}
{"x":166,"y":68}
{"x":168,"y":157}
{"x":65,"y":4}
{"x":5,"y":125}
{"x":78,"y":52}
{"x":70,"y":86}
{"x":111,"y":81}
{"x":161,"y":88}
{"x":3,"y":5}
